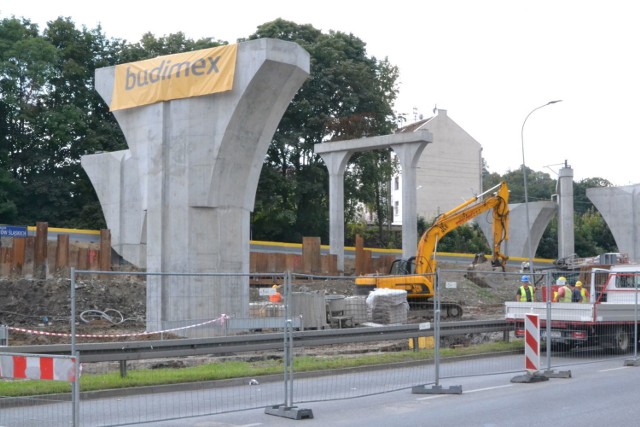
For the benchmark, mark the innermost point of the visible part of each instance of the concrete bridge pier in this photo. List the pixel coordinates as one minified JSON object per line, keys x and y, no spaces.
{"x":179,"y":199}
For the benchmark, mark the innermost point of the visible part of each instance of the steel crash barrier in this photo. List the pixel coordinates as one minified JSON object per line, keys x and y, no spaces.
{"x":483,"y":339}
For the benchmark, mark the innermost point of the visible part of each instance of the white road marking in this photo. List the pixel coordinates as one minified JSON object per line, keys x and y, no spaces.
{"x":466,"y":392}
{"x":488,"y":388}
{"x":613,"y":369}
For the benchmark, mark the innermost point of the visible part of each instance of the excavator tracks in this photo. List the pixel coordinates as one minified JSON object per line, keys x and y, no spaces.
{"x":448,"y":309}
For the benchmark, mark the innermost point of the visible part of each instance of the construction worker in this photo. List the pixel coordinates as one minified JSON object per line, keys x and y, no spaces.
{"x":584,"y":293}
{"x":526,"y":292}
{"x":565,"y":291}
{"x":275,"y":297}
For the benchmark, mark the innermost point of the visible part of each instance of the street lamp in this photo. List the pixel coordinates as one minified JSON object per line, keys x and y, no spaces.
{"x":526,"y":194}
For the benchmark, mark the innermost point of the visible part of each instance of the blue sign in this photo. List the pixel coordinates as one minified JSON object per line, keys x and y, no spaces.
{"x":13,"y":231}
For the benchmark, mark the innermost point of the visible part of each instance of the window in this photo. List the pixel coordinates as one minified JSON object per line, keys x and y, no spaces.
{"x":396,"y":208}
{"x":396,"y":183}
{"x":627,"y":280}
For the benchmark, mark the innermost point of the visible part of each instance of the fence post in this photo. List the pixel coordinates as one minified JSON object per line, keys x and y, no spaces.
{"x":40,"y":251}
{"x":287,"y":410}
{"x":19,"y":250}
{"x":62,"y":255}
{"x":634,"y":361}
{"x":105,"y":250}
{"x":4,"y":336}
{"x":549,"y":373}
{"x":437,"y":388}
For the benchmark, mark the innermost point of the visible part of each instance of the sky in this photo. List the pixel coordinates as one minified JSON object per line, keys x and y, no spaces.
{"x":489,"y":63}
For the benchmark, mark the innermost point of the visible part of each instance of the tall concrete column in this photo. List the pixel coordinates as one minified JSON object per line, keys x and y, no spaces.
{"x":179,"y":199}
{"x":408,"y":155}
{"x":620,"y":208}
{"x":566,"y":240}
{"x":336,"y":163}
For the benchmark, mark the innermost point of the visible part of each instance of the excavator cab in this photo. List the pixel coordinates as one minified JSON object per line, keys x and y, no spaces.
{"x":401,"y":267}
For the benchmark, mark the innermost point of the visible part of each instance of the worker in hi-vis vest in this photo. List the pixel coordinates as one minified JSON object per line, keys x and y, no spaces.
{"x":584,"y":293}
{"x":276,"y":296}
{"x":564,"y":291}
{"x":526,"y":292}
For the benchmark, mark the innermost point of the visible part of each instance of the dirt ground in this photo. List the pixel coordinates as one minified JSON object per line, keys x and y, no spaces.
{"x":44,"y":305}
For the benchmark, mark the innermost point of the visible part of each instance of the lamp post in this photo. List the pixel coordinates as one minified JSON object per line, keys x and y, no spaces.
{"x":526,"y":194}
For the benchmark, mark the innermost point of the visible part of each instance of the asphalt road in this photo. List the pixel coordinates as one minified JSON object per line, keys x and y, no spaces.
{"x":598,"y":394}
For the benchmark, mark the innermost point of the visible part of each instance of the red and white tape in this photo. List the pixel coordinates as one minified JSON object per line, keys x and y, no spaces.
{"x":220,"y":319}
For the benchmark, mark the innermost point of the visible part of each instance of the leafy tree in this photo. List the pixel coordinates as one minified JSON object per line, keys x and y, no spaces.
{"x":467,"y":238}
{"x":149,"y":46}
{"x":592,"y":235}
{"x":581,"y":203}
{"x":8,"y":194}
{"x":489,"y":180}
{"x":53,"y":116}
{"x":348,"y":95}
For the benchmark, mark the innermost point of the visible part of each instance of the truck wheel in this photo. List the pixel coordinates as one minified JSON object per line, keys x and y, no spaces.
{"x":621,"y":340}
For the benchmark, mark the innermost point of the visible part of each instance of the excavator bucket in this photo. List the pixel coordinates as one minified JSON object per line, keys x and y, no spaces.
{"x":479,"y":258}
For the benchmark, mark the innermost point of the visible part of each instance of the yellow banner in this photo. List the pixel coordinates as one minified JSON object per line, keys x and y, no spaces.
{"x":182,"y":75}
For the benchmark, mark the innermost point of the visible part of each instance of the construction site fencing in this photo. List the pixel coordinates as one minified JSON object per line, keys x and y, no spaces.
{"x":113,"y":307}
{"x":595,"y":322}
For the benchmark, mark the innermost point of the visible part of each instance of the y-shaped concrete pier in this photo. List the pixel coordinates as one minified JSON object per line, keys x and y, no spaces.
{"x":179,"y":199}
{"x":620,"y":208}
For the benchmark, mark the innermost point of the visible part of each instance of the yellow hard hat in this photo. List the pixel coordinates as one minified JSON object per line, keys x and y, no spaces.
{"x":578,"y":283}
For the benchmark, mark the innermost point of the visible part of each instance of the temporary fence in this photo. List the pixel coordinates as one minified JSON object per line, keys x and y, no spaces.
{"x":116,"y":306}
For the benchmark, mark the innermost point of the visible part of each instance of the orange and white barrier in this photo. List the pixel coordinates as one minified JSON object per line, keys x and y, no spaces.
{"x":532,"y":342}
{"x":38,"y":367}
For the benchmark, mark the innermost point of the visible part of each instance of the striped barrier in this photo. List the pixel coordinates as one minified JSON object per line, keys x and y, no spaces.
{"x":38,"y":367}
{"x":532,"y":343}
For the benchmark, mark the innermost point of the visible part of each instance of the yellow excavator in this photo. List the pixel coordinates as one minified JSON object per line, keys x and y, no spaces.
{"x":417,"y":274}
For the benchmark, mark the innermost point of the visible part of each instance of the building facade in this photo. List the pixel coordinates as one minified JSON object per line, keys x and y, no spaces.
{"x":449,"y":170}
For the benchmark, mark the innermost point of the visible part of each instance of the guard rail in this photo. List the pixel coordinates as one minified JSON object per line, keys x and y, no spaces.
{"x":160,"y":349}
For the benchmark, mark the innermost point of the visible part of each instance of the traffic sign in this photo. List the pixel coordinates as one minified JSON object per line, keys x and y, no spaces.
{"x":13,"y":231}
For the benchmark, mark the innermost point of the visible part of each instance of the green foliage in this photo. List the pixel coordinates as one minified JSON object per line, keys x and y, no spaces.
{"x":348,"y":95}
{"x":51,"y":115}
{"x":592,"y":235}
{"x":235,"y":369}
{"x":467,"y":238}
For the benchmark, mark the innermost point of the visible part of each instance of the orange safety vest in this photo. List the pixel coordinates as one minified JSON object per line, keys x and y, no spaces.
{"x":275,"y":297}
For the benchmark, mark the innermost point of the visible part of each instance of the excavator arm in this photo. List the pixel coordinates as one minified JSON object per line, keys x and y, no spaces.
{"x":416,"y":275}
{"x":496,"y":198}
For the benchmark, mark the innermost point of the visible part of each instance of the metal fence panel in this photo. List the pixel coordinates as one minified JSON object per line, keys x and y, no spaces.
{"x":464,"y":297}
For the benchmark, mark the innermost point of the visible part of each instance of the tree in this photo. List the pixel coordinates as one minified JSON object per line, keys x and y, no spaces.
{"x":348,"y":95}
{"x":591,"y":234}
{"x":53,"y":116}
